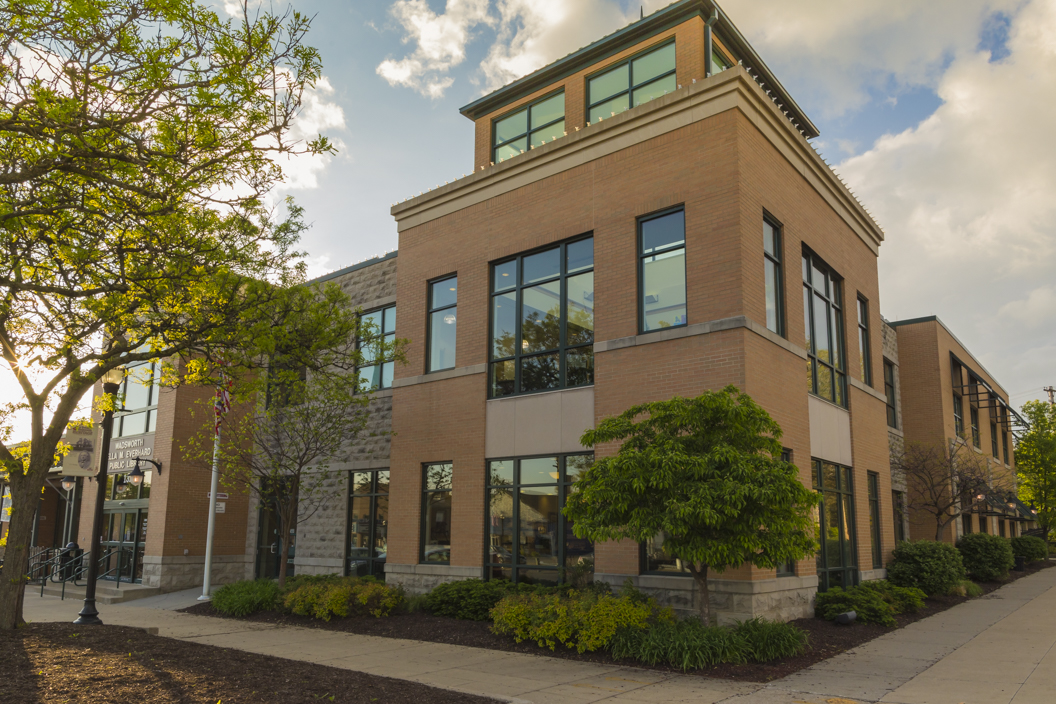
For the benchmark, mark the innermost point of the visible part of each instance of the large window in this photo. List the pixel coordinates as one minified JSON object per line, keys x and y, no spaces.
{"x":823,"y":322}
{"x":540,"y":122}
{"x":1004,"y":445}
{"x":542,"y":320}
{"x":140,"y":390}
{"x":662,"y":270}
{"x":443,"y":323}
{"x":775,"y":303}
{"x":889,"y":394}
{"x":874,"y":519}
{"x":898,"y":508}
{"x":973,"y":408}
{"x":631,"y":83}
{"x":529,"y":540}
{"x":381,"y":326}
{"x":863,"y":341}
{"x":993,"y":440}
{"x":834,"y":522}
{"x":436,"y":513}
{"x":368,"y":523}
{"x":958,"y":405}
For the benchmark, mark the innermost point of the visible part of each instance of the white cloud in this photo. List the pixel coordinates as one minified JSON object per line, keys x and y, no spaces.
{"x":320,"y":114}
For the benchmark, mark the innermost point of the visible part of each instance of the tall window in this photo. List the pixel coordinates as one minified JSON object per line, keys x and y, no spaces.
{"x":631,"y":83}
{"x":993,"y":441}
{"x":966,"y":523}
{"x":140,"y":391}
{"x":368,"y":522}
{"x":823,"y":322}
{"x":889,"y":394}
{"x":662,"y":270}
{"x":874,"y":519}
{"x":958,"y":404}
{"x":382,"y":327}
{"x":1004,"y":445}
{"x":788,"y":567}
{"x":863,"y":341}
{"x":529,"y":127}
{"x":775,"y":304}
{"x":529,"y":540}
{"x":838,"y":557}
{"x":898,"y":507}
{"x":542,"y":320}
{"x":984,"y":524}
{"x":974,"y":414}
{"x":436,"y":513}
{"x":443,"y":323}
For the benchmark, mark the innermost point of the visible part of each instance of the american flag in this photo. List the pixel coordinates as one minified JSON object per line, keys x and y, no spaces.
{"x":222,"y":400}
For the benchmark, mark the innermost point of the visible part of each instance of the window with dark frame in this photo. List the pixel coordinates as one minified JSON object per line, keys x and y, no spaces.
{"x":993,"y":440}
{"x":528,"y":537}
{"x":873,"y":480}
{"x":1004,"y":444}
{"x":774,"y":286}
{"x":662,"y":270}
{"x":889,"y":394}
{"x":898,"y":507}
{"x":823,"y":321}
{"x":378,"y":373}
{"x":837,"y":558}
{"x":368,"y":523}
{"x":788,"y":567}
{"x":966,"y":523}
{"x":863,"y":341}
{"x":542,"y":320}
{"x":984,"y":524}
{"x":528,"y":127}
{"x":973,"y":408}
{"x":974,"y":415}
{"x":140,"y":391}
{"x":958,"y":404}
{"x":443,"y":324}
{"x":436,"y":513}
{"x":638,"y":80}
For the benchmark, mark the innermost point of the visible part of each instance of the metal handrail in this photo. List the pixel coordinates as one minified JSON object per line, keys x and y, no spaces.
{"x":57,"y":577}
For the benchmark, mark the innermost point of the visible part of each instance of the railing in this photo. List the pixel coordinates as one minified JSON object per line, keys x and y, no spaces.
{"x":64,"y":568}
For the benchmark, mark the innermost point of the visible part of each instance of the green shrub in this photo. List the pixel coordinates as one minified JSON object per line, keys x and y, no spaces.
{"x":966,"y":587}
{"x":986,"y":557}
{"x":473,"y":599}
{"x":903,"y":600}
{"x":873,"y":602}
{"x":416,"y":603}
{"x":771,"y":640}
{"x":927,"y":565}
{"x":581,"y":620}
{"x":326,"y":598}
{"x":687,"y":644}
{"x":245,"y":598}
{"x":1030,"y":547}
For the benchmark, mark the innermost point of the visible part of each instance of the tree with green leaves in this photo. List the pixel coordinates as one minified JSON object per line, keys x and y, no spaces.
{"x":139,"y":141}
{"x":1036,"y":462}
{"x":707,"y":473}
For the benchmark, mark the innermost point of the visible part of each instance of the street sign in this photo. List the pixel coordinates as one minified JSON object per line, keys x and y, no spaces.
{"x":220,"y":506}
{"x":220,"y":495}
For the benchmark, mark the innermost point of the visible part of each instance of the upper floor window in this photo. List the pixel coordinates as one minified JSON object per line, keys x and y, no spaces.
{"x":380,"y":326}
{"x":993,"y":440}
{"x":863,"y":340}
{"x":719,"y":62}
{"x":1004,"y":445}
{"x":889,"y":393}
{"x":542,"y":320}
{"x":443,"y":323}
{"x":632,"y":83}
{"x":662,"y":270}
{"x":775,"y":304}
{"x":823,"y":322}
{"x":958,"y":405}
{"x":531,"y":126}
{"x":140,"y":390}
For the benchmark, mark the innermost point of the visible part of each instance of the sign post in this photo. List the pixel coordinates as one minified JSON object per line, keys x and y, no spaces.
{"x":221,"y":405}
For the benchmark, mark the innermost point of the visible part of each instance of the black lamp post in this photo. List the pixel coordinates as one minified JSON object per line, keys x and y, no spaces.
{"x":89,"y":615}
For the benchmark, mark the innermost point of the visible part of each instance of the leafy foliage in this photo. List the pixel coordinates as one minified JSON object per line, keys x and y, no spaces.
{"x":930,"y":566}
{"x":771,"y":640}
{"x":1036,"y":461}
{"x":1030,"y":547}
{"x":705,"y":472}
{"x":966,"y":587}
{"x":341,"y":597}
{"x":986,"y":557}
{"x":246,"y":598}
{"x":473,"y":599}
{"x":873,"y":602}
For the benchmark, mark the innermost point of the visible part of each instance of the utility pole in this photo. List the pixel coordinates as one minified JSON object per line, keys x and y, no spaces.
{"x":1051,"y":391}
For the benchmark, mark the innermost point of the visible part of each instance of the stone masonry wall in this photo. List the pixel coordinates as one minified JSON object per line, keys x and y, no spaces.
{"x":896,"y":438}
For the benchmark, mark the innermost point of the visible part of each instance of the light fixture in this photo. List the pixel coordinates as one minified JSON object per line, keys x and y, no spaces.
{"x":114,"y":376}
{"x":68,"y":483}
{"x":135,"y":477}
{"x":980,"y":497}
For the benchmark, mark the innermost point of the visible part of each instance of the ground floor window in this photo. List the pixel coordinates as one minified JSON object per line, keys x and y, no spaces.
{"x":529,"y":540}
{"x":834,"y":522}
{"x":984,"y":524}
{"x":966,"y":523}
{"x":898,"y":506}
{"x":436,"y":513}
{"x":368,"y":523}
{"x":873,"y":480}
{"x":1001,"y":527}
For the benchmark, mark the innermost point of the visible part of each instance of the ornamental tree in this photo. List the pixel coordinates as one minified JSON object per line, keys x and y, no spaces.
{"x":1036,"y":462}
{"x":139,"y":140}
{"x":707,"y":473}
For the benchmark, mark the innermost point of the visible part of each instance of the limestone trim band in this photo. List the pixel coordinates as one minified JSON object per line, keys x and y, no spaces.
{"x":739,"y":321}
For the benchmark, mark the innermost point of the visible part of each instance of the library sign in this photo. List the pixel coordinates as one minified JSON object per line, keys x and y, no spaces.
{"x":124,"y":451}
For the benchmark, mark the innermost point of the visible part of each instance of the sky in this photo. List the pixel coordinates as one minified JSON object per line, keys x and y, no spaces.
{"x":938,"y":113}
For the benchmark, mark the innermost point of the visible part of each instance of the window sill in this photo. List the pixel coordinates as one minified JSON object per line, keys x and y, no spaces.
{"x":831,"y":403}
{"x":440,"y":375}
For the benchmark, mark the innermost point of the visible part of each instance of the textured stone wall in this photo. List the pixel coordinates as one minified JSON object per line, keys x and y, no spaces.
{"x":419,"y":579}
{"x":175,"y":573}
{"x":321,"y":526}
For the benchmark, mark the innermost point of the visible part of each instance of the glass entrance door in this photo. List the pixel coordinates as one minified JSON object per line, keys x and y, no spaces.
{"x":368,"y":523}
{"x":124,"y":542}
{"x":271,"y":546}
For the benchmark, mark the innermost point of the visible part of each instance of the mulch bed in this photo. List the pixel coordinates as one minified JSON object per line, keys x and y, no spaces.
{"x":60,"y":662}
{"x":826,"y":638}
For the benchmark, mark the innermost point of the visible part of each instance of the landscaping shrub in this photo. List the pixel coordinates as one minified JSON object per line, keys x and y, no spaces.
{"x":324,"y":599}
{"x":581,"y":620}
{"x":873,"y":602}
{"x":930,"y":566}
{"x":770,"y":640}
{"x":247,"y":597}
{"x":1030,"y":547}
{"x":966,"y":587}
{"x":687,"y":644}
{"x":473,"y":599}
{"x":986,"y":557}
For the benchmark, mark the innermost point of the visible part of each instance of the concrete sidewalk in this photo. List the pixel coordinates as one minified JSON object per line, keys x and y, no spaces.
{"x":994,"y":650}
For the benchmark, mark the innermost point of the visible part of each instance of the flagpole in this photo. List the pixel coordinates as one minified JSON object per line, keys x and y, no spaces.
{"x":213,"y":482}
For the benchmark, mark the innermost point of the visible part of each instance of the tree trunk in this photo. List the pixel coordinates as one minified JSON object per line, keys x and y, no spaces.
{"x":939,"y":527}
{"x":701,"y":578}
{"x":25,"y":498}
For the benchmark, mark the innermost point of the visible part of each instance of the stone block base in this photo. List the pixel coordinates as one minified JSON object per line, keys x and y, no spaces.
{"x":419,"y":579}
{"x":870,"y":575}
{"x":317,"y":565}
{"x":177,"y":572}
{"x":781,"y":599}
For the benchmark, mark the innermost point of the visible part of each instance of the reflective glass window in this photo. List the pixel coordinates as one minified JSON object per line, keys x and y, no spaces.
{"x":540,"y":122}
{"x":629,"y":84}
{"x":662,"y":271}
{"x":823,"y":320}
{"x":443,"y":323}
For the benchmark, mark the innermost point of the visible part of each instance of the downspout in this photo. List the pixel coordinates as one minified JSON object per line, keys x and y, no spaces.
{"x":708,"y":48}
